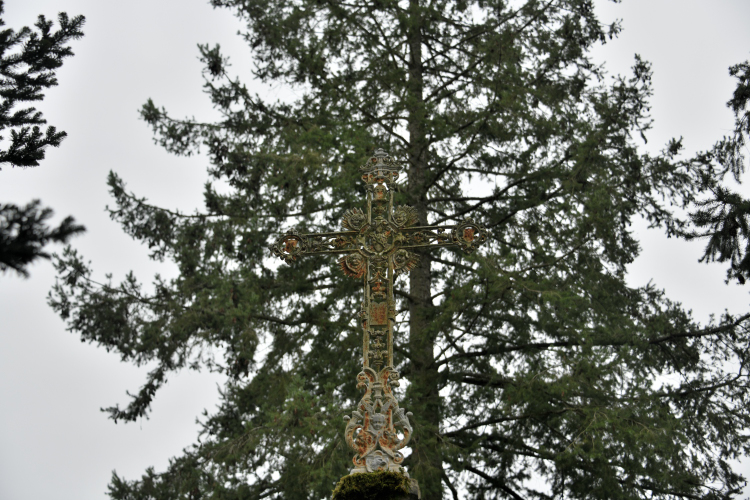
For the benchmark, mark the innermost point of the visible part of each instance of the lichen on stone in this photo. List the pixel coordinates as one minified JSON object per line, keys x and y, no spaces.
{"x":380,"y":485}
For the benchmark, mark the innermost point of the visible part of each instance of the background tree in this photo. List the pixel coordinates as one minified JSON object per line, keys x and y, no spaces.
{"x":28,"y":60}
{"x":24,"y":233}
{"x":531,"y":359}
{"x":724,"y":218}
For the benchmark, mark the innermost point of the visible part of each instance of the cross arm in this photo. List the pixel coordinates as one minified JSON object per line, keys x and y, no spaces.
{"x":467,"y":234}
{"x":293,"y":244}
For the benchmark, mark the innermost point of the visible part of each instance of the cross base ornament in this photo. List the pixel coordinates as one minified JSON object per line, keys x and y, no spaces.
{"x":375,"y":246}
{"x":373,"y":429}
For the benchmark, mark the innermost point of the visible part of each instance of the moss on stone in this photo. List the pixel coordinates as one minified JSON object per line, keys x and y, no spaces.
{"x":380,"y":485}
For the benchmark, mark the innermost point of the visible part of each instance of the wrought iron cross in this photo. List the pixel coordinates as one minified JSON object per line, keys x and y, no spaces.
{"x":375,"y":247}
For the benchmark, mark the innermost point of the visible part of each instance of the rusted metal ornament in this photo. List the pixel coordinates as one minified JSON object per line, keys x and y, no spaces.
{"x":376,"y":246}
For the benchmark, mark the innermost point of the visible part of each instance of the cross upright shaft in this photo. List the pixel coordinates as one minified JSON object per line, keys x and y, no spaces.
{"x":375,"y":246}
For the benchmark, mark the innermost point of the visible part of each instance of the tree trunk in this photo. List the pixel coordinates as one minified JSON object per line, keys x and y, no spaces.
{"x":424,"y":401}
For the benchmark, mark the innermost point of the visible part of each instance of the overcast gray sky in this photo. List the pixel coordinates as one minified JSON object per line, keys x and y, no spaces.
{"x":54,"y":441}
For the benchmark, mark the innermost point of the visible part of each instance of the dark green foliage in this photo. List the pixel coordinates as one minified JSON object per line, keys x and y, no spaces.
{"x":24,"y":234}
{"x":28,"y":60}
{"x":531,"y":359}
{"x":729,"y":151}
{"x":381,"y":485}
{"x":724,"y":217}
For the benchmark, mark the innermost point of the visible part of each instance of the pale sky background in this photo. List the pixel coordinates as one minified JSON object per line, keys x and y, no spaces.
{"x":54,"y":441}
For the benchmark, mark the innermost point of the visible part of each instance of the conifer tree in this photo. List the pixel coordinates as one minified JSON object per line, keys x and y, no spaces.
{"x":28,"y":60}
{"x":724,"y":217}
{"x":24,"y":233}
{"x":533,"y":370}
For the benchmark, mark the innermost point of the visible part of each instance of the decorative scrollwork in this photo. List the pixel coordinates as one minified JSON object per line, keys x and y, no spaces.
{"x":292,"y":244}
{"x":428,"y":236}
{"x":329,"y":242}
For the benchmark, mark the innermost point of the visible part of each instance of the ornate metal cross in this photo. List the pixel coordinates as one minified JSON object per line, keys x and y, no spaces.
{"x":375,"y":246}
